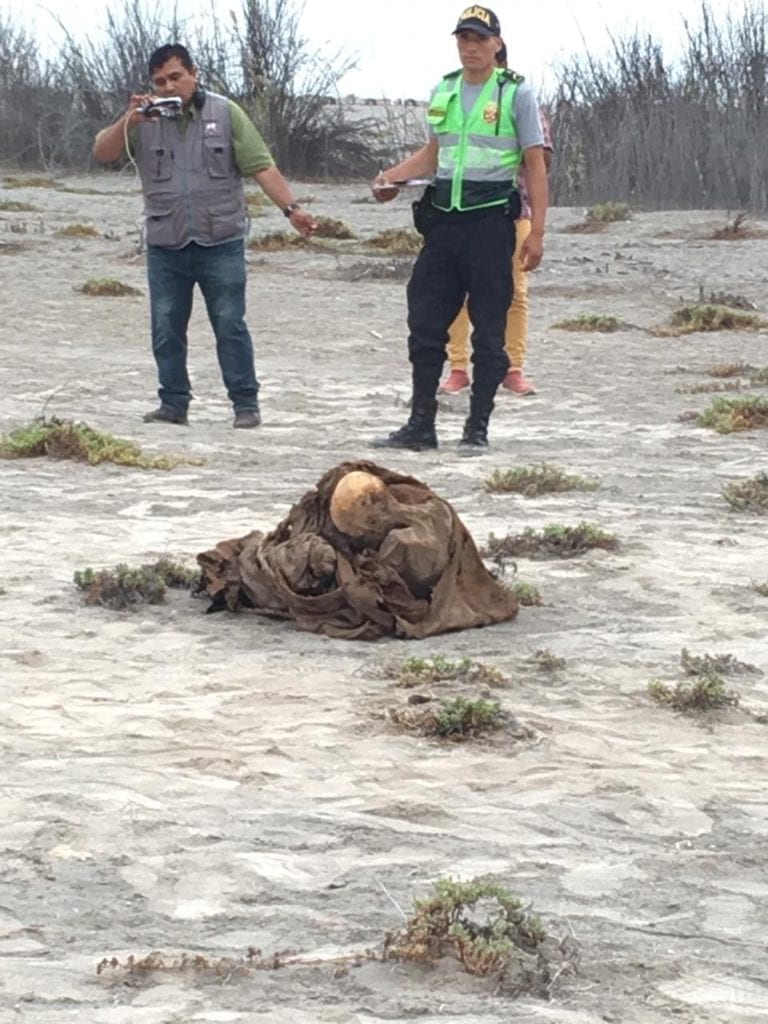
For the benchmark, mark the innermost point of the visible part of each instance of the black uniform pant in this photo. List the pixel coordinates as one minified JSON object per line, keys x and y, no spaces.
{"x":464,"y":255}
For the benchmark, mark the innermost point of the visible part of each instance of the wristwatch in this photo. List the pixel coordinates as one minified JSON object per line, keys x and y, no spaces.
{"x":288,"y":210}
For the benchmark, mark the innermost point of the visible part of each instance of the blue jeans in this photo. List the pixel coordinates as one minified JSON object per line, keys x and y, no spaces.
{"x":219,"y":270}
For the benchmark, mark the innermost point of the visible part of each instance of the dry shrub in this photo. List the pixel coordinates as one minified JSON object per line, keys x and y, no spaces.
{"x":667,"y":131}
{"x":278,"y":241}
{"x":709,"y":387}
{"x":722,"y":298}
{"x":107,"y":286}
{"x":749,"y":495}
{"x":256,"y":203}
{"x":376,"y":270}
{"x":135,"y":969}
{"x":81,"y":231}
{"x":398,"y":241}
{"x":586,"y":227}
{"x":547,"y":660}
{"x":329,"y":227}
{"x":12,"y":181}
{"x":730,"y":369}
{"x":733,"y":415}
{"x":736,"y":231}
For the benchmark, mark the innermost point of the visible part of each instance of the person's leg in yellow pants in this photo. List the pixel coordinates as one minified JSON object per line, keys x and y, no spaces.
{"x":516,"y":334}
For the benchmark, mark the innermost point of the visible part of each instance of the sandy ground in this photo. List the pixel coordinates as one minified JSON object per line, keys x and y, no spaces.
{"x":177,"y":781}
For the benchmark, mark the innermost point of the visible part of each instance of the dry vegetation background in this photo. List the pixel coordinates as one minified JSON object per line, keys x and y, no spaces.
{"x":629,"y":125}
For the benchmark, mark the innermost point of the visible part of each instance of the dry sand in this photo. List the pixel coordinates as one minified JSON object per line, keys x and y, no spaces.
{"x":177,"y":781}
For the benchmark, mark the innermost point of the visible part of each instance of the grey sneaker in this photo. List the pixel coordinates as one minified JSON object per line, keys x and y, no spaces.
{"x":164,"y":414}
{"x":246,"y":419}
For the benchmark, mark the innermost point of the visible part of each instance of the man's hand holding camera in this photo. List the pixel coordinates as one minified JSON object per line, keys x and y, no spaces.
{"x":136,"y":104}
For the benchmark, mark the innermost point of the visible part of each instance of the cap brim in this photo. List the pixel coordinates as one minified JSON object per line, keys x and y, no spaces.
{"x":482,"y":30}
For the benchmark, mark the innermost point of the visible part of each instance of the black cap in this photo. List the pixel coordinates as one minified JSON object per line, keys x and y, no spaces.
{"x":478,"y":19}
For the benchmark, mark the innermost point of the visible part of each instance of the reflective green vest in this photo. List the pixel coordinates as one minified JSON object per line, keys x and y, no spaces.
{"x":479,"y":154}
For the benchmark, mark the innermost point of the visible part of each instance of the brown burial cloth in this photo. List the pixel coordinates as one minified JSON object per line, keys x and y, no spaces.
{"x":366,"y":553}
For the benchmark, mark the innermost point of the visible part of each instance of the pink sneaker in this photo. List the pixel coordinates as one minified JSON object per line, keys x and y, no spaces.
{"x":456,"y":381}
{"x":517,"y":384}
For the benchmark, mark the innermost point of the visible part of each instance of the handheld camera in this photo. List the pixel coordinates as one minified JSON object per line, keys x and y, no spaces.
{"x":168,"y":106}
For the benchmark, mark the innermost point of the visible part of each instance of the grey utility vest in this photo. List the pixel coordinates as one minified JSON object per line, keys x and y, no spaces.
{"x":193,"y":191}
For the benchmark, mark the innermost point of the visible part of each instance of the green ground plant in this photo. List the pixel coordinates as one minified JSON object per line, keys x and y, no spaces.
{"x":750,"y":495}
{"x":397,"y":241}
{"x":609,"y":213}
{"x":713,"y":664}
{"x":482,"y":925}
{"x":527,"y":594}
{"x":62,"y":439}
{"x":706,"y":693}
{"x":532,"y":481}
{"x":553,"y":541}
{"x":438,"y":669}
{"x":460,"y":718}
{"x":709,"y":317}
{"x":123,"y":586}
{"x":477,"y":923}
{"x":14,"y":206}
{"x":598,"y":217}
{"x":599,"y":323}
{"x":731,"y":415}
{"x":108,"y":286}
{"x":79,"y":231}
{"x":759,"y":377}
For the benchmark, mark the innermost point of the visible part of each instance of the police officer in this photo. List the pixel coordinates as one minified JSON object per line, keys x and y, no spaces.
{"x":484,"y":123}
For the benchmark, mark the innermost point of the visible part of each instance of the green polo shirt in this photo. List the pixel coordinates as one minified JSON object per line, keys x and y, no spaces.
{"x":251,"y":151}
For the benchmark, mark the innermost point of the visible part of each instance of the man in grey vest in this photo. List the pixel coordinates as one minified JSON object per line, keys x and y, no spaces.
{"x":192,"y":168}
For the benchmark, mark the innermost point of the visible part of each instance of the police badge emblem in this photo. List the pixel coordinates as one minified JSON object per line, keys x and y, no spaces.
{"x":491,"y":113}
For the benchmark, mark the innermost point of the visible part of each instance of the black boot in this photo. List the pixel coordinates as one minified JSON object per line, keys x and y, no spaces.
{"x":474,"y":440}
{"x":418,"y":434}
